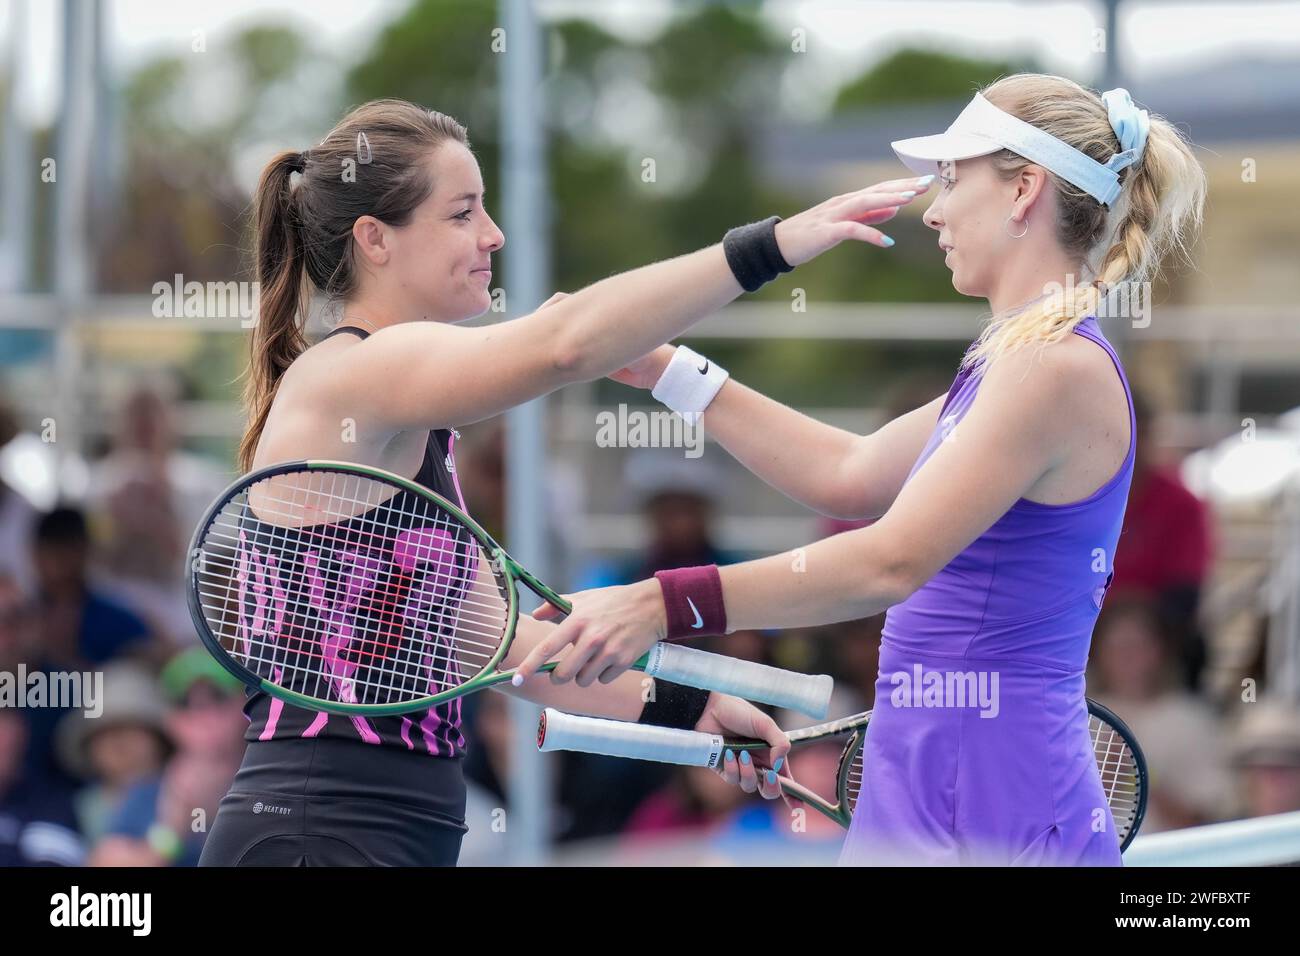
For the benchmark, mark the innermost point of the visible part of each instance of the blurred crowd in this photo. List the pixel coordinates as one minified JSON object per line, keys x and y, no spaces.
{"x":97,"y":586}
{"x":131,"y":772}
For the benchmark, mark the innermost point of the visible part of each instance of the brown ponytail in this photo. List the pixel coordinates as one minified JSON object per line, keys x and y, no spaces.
{"x":374,"y":162}
{"x":282,"y":297}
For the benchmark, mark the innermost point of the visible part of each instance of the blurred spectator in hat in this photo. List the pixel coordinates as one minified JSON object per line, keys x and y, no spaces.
{"x":163,"y":820}
{"x":75,"y":626}
{"x":1165,"y":549}
{"x":1136,"y":674}
{"x":38,"y":826}
{"x":127,"y":743}
{"x":1266,"y":752}
{"x":146,"y":496}
{"x":676,"y":497}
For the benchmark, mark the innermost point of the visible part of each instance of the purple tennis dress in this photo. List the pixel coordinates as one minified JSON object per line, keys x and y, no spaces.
{"x":978,"y":750}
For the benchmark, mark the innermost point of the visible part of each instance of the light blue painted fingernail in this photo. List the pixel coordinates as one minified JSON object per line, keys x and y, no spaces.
{"x":745,"y":758}
{"x":731,"y":755}
{"x":887,"y":241}
{"x":771,"y":776}
{"x":779,"y":761}
{"x":909,"y":194}
{"x":925,"y":180}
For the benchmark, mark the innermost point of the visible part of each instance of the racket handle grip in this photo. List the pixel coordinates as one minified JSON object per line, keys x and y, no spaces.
{"x":616,"y":738}
{"x":808,"y":694}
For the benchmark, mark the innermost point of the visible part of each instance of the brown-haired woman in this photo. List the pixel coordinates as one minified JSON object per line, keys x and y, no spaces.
{"x":387,"y":219}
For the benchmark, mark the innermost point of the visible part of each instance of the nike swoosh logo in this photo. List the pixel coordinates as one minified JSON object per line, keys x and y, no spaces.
{"x":699,"y":621}
{"x":703,"y":371}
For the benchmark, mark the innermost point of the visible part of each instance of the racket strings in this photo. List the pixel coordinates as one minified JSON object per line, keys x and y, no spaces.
{"x":368,"y":641}
{"x":380,"y":638}
{"x":387,"y":598}
{"x":1120,"y":777}
{"x":480,"y":618}
{"x":381,"y":613}
{"x":284,"y":649}
{"x":835,"y":793}
{"x":853,"y":779}
{"x":357,"y":536}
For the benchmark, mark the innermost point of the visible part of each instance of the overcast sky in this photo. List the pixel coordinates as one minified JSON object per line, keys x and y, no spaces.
{"x":1160,"y":36}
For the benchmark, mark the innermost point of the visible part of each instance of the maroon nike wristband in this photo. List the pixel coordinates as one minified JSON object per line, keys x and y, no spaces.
{"x":693,"y":601}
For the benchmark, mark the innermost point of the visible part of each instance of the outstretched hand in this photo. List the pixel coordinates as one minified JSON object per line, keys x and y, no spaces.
{"x":850,"y":216}
{"x":609,"y":628}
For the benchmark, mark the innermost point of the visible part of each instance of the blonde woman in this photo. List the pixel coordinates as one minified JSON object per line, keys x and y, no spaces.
{"x":999,"y":504}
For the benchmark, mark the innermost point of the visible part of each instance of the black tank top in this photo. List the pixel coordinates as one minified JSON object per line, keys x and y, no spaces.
{"x":436,"y":731}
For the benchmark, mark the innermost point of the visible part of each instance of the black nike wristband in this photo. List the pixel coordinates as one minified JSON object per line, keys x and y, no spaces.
{"x":753,"y":253}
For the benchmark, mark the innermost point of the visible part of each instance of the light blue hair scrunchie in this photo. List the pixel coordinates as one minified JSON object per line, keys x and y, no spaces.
{"x":1131,"y":126}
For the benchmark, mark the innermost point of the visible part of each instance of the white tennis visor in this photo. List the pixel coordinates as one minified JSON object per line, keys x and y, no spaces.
{"x":982,"y":128}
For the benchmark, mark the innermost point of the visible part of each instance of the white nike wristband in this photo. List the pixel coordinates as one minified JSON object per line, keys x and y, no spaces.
{"x":689,"y":382}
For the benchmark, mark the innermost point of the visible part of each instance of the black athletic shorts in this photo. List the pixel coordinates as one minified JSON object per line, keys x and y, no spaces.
{"x":332,"y":802}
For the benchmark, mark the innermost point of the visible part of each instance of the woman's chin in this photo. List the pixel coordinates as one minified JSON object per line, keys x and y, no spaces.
{"x":964,"y":287}
{"x":476,"y":307}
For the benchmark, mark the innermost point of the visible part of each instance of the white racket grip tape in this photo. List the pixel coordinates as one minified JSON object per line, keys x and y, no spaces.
{"x":616,"y":738}
{"x":806,"y":693}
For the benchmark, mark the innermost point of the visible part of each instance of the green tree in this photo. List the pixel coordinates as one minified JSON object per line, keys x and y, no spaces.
{"x":910,"y":76}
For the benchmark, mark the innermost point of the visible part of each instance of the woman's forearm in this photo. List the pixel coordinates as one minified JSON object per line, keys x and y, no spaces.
{"x":619,"y":319}
{"x":842,"y":578}
{"x":621,"y":699}
{"x":603,"y":327}
{"x":797,"y":455}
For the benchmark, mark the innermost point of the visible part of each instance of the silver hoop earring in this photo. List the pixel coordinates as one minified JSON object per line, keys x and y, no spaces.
{"x":1012,"y":234}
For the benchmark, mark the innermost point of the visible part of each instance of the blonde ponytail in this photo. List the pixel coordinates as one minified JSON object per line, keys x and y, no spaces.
{"x":1158,"y":214}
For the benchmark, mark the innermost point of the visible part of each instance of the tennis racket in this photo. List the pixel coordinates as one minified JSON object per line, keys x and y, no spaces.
{"x":1119,"y":759}
{"x":347,"y":589}
{"x":1123,"y":769}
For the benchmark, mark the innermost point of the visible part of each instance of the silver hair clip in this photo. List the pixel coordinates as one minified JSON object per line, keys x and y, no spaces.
{"x":363,"y":149}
